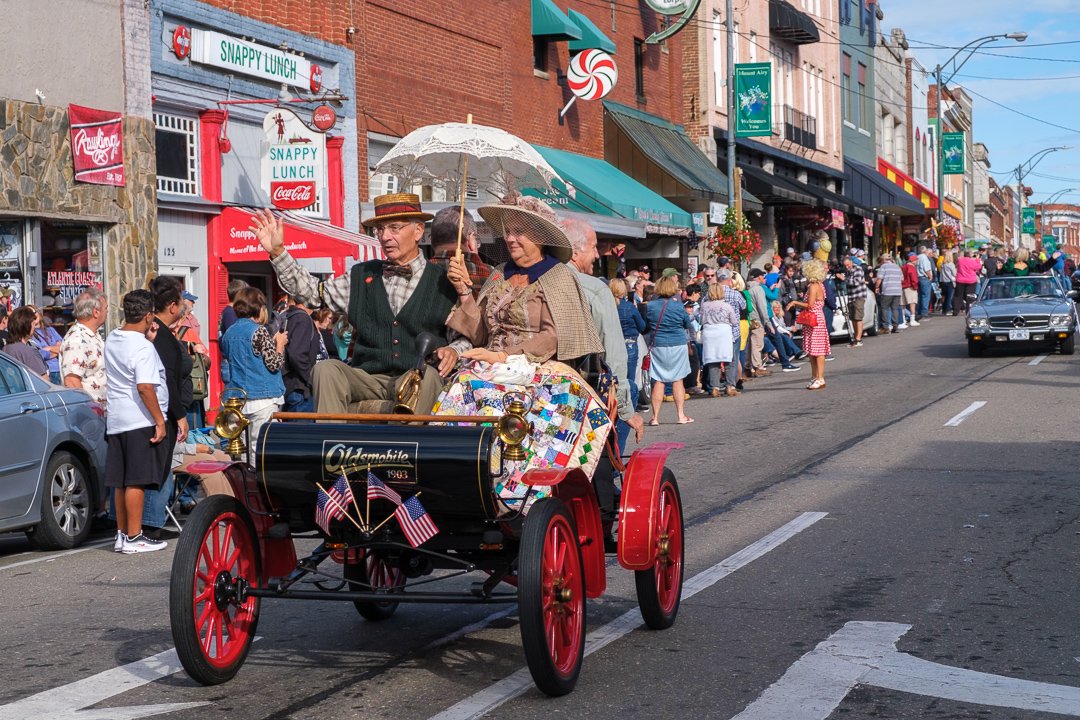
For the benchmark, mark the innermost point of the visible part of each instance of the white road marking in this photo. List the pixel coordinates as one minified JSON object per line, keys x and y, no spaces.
{"x":865,"y":653}
{"x":56,"y":555}
{"x":1038,"y":359}
{"x":508,"y":688}
{"x":966,"y":414}
{"x":66,"y":702}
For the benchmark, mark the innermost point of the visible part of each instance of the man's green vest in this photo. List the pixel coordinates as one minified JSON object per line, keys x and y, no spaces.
{"x":382,"y":342}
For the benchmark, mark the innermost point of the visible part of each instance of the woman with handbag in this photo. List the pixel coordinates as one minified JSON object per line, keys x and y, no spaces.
{"x":812,"y":319}
{"x":719,"y":323}
{"x":667,"y":321}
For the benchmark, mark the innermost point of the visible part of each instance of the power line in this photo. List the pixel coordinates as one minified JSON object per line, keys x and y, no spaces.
{"x":1022,"y":114}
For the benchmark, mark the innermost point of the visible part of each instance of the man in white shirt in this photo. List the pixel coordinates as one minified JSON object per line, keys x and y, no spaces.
{"x":137,"y":398}
{"x":605,"y":316}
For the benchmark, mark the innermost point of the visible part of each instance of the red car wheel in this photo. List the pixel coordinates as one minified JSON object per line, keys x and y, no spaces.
{"x":551,"y":597}
{"x":659,"y":589}
{"x":213,"y":624}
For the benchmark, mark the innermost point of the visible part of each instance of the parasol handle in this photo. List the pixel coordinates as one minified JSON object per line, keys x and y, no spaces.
{"x":464,"y":186}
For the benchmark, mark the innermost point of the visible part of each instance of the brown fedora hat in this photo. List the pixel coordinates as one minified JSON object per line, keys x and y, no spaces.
{"x":397,"y":206}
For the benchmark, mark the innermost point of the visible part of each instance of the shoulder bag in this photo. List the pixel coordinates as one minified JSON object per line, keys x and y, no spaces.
{"x":200,"y":368}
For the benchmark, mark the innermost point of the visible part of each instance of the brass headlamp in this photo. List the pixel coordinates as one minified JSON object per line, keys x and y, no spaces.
{"x":514,"y":429}
{"x":231,"y":424}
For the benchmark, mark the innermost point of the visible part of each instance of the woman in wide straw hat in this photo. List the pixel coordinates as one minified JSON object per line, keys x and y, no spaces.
{"x":531,"y":305}
{"x":529,"y":319}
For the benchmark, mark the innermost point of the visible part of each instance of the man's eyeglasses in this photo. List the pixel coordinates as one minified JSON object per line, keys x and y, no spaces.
{"x":394,"y":229}
{"x":710,"y":275}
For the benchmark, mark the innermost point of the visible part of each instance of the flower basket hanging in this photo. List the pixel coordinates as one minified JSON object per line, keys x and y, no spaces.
{"x":735,"y":239}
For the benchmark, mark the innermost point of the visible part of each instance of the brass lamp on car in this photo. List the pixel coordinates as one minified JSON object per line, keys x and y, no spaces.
{"x":231,"y":424}
{"x":514,"y":429}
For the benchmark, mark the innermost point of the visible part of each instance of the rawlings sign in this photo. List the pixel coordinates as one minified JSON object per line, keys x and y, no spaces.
{"x":97,"y":146}
{"x":294,"y":163}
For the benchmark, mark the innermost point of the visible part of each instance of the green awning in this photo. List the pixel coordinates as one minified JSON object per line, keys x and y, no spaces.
{"x":668,"y":147}
{"x":591,"y":36}
{"x":594,"y":186}
{"x":550,"y":22}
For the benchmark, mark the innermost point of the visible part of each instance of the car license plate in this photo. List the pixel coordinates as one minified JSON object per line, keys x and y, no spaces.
{"x":1019,"y":334}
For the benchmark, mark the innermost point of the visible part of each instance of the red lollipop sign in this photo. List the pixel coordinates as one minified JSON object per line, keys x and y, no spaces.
{"x":592,"y":74}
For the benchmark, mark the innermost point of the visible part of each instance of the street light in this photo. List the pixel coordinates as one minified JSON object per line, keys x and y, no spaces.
{"x":1022,"y":171}
{"x":1050,"y":201}
{"x":971,"y":47}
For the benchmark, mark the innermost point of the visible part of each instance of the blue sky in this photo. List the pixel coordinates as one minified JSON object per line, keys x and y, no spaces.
{"x":1053,"y":97}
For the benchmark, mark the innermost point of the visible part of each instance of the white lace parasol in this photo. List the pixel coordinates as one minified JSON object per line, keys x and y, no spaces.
{"x":495,"y":157}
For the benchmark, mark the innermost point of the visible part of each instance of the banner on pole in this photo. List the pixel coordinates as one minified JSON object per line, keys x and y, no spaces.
{"x":1027,"y":221}
{"x":753,"y":101}
{"x":1049,"y":244}
{"x":952,"y":153}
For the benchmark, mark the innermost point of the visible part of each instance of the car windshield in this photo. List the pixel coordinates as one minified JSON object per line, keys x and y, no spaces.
{"x":1009,"y":288}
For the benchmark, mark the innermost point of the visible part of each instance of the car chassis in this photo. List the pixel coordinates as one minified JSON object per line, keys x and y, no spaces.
{"x":236,"y":551}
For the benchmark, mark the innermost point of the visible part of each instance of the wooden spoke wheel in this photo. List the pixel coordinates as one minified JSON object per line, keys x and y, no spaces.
{"x":374,"y":571}
{"x":659,"y":588}
{"x":551,"y":597}
{"x":213,"y":620}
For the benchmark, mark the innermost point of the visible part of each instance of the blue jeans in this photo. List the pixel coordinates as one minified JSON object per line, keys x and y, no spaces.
{"x":947,"y":289}
{"x":295,"y":401}
{"x":925,"y":288}
{"x":631,"y":371}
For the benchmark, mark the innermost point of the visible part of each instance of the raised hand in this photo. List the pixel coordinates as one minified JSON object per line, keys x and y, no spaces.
{"x":270,"y":231}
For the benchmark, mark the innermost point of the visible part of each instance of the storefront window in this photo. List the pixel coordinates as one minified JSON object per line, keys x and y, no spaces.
{"x":176,"y":143}
{"x":11,"y":285}
{"x":65,"y":271}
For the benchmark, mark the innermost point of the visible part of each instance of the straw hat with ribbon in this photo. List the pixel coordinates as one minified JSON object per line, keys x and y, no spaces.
{"x":397,"y":206}
{"x":533,"y":218}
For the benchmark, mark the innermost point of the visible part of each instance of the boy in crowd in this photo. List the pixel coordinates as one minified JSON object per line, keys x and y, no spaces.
{"x":138,"y":396}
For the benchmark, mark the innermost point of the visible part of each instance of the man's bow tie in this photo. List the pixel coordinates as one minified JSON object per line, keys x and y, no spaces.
{"x":404,"y":271}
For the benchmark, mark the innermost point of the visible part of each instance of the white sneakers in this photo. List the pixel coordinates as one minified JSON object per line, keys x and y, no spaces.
{"x":914,"y":323}
{"x":138,"y":544}
{"x":902,"y":326}
{"x":118,"y":546}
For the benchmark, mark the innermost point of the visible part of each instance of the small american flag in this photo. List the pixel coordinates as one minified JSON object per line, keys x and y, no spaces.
{"x":377,"y":489}
{"x":332,"y":504}
{"x":415,"y":522}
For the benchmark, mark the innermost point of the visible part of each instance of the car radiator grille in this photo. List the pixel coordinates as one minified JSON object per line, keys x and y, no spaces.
{"x":1032,"y":322}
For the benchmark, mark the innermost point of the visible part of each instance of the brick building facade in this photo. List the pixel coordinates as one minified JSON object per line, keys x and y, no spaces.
{"x":418,"y":65}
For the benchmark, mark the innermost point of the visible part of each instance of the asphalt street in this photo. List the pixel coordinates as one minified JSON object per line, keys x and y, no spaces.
{"x":901,"y":551}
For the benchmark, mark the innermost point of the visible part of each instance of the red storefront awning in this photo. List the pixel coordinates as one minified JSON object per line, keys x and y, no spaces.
{"x":304,"y":238}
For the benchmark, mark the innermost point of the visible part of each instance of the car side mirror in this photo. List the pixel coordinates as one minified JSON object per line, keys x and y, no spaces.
{"x":1074,"y":294}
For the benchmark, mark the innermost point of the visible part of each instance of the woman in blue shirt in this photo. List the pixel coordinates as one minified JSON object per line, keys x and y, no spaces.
{"x":667,"y":321}
{"x":632,"y":325}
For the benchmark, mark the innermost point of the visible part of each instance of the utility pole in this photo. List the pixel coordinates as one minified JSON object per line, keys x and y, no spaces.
{"x":938,"y":152}
{"x":734,"y":191}
{"x":1019,"y":235}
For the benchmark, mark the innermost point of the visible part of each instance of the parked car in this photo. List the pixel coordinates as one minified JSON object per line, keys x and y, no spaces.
{"x":841,"y":328}
{"x":53,"y":459}
{"x":1030,"y":311}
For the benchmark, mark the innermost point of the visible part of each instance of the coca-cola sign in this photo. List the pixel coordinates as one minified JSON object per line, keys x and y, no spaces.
{"x":316,"y":78}
{"x":181,"y":42}
{"x":294,"y":166}
{"x":323,"y":117}
{"x":97,"y":145}
{"x":295,"y":195}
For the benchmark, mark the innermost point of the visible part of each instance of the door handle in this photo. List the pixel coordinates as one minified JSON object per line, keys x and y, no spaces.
{"x":27,"y":407}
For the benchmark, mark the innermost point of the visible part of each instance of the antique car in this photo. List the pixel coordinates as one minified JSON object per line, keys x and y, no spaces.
{"x":547,"y":555}
{"x":1028,"y":311}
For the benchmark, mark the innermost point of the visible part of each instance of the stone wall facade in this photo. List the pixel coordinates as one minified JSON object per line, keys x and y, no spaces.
{"x":37,"y":181}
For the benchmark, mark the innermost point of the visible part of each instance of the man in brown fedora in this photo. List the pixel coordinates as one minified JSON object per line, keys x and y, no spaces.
{"x":389,"y":302}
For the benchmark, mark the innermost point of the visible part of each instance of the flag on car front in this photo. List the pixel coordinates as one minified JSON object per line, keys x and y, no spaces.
{"x":415,"y":522}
